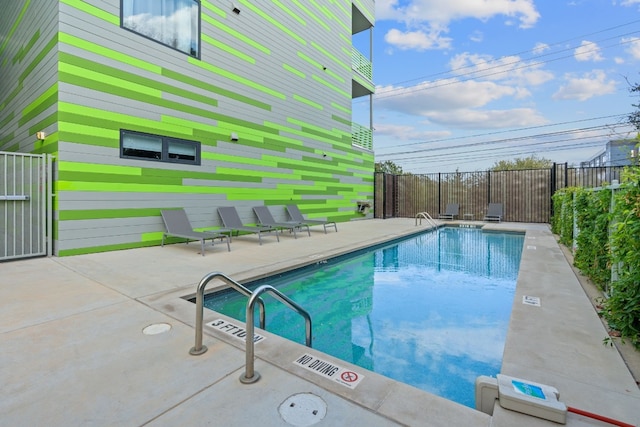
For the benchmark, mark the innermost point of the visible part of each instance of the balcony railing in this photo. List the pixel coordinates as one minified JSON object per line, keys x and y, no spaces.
{"x":361,"y":136}
{"x":361,"y":64}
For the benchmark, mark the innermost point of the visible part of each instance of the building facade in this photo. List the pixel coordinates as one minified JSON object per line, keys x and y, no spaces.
{"x":147,"y":105}
{"x":618,"y":152}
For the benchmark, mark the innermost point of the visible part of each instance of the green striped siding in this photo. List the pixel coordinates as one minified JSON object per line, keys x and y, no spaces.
{"x":260,"y":75}
{"x":15,"y":23}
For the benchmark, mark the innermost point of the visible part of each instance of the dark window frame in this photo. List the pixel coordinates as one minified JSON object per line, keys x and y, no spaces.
{"x":165,"y":156}
{"x":199,"y":31}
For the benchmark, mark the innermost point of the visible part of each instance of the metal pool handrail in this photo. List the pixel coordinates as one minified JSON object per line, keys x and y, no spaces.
{"x":199,"y":349}
{"x":250,"y":375}
{"x":426,"y":216}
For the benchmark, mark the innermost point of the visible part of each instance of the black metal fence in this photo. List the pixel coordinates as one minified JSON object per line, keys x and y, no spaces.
{"x":525,"y":194}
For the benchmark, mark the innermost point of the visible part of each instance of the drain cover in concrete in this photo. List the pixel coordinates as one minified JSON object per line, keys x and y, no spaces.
{"x":156,"y":328}
{"x":303,"y":409}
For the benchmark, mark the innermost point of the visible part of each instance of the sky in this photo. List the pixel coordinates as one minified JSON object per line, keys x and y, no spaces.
{"x":463,"y":84}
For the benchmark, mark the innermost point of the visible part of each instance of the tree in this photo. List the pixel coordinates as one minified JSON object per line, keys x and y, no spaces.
{"x":531,"y":162}
{"x":388,"y":167}
{"x":634,"y":118}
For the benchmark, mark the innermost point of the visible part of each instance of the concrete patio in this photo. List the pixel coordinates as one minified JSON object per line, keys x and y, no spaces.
{"x":75,"y":351}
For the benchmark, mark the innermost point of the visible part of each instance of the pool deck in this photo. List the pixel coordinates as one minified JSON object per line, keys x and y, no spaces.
{"x":73,"y":351}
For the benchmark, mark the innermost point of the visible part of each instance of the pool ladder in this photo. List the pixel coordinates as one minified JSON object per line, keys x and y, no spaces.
{"x":198,"y":348}
{"x":426,"y":216}
{"x":250,"y":375}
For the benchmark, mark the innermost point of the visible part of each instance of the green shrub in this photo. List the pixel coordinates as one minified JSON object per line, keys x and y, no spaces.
{"x":592,"y":256}
{"x":622,"y":308}
{"x":562,"y":220}
{"x":606,"y":238}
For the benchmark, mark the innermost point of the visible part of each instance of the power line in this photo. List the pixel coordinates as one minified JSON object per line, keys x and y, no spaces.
{"x":623,"y":115}
{"x":492,"y":148}
{"x":510,"y":151}
{"x":475,"y":158}
{"x":470,"y":76}
{"x":531,"y":51}
{"x":431,"y":156}
{"x":486,"y":153}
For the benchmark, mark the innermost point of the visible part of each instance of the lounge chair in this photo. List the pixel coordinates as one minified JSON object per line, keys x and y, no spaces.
{"x":178,"y":225}
{"x":265,"y":218}
{"x":296,"y":215}
{"x":232,"y":222}
{"x":451,"y":212}
{"x":494,"y":212}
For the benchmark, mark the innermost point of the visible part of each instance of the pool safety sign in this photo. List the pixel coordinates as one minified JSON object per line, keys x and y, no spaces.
{"x":529,"y":300}
{"x":329,"y":370}
{"x":234,"y":330}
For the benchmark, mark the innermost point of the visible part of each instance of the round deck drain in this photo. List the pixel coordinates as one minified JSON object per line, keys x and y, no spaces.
{"x":303,"y":409}
{"x":156,"y":328}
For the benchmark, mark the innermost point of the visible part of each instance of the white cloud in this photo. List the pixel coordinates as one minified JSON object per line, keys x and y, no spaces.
{"x":175,"y":30}
{"x":478,"y":342}
{"x":540,"y":48}
{"x":428,"y":20}
{"x":521,"y":93}
{"x":406,"y":132}
{"x":387,"y":9}
{"x":445,"y":11}
{"x":508,"y":69}
{"x":476,"y":37}
{"x":418,"y":40}
{"x":457,"y":104}
{"x":630,"y":2}
{"x":488,"y":119}
{"x":633,"y":45}
{"x":588,"y":51}
{"x":442,"y":95}
{"x":589,"y":85}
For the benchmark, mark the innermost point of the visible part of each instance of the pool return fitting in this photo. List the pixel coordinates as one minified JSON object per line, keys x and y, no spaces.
{"x":529,"y":398}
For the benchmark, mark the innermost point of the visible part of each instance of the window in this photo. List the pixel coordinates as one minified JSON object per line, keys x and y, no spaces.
{"x":175,"y":23}
{"x":136,"y":145}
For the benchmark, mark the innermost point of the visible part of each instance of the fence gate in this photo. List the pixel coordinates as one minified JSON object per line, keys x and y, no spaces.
{"x":25,"y":205}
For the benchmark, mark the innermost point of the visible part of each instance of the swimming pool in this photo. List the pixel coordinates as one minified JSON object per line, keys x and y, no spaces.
{"x":431,"y":311}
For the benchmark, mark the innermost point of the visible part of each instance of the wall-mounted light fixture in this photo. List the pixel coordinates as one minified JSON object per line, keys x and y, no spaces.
{"x":324,"y":68}
{"x":40,"y":136}
{"x":234,"y":136}
{"x":235,"y":9}
{"x":324,"y":154}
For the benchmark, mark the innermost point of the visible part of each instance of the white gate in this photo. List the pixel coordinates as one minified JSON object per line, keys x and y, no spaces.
{"x":25,"y":205}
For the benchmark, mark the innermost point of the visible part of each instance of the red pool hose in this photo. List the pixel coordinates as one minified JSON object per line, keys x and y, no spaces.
{"x":598,"y":417}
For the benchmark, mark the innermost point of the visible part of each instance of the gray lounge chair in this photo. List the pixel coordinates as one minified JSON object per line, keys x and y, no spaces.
{"x":296,"y":215}
{"x":451,"y":212}
{"x":494,"y":212}
{"x":232,"y":222}
{"x":265,"y":218}
{"x":178,"y":225}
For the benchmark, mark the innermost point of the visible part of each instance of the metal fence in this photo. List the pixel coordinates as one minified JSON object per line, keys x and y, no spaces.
{"x":25,"y":205}
{"x":525,"y":194}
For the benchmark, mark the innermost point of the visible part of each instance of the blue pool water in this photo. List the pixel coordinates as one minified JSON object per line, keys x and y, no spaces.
{"x":431,"y":311}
